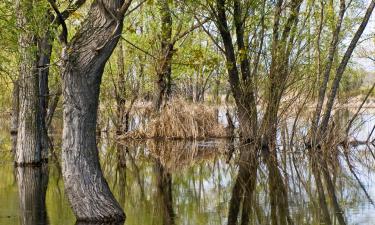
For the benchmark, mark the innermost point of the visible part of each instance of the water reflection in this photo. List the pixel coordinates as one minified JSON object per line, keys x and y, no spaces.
{"x":32,"y":186}
{"x":174,"y":182}
{"x":164,"y":194}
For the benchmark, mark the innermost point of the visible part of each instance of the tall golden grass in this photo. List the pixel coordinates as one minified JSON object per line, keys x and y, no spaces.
{"x":181,"y":120}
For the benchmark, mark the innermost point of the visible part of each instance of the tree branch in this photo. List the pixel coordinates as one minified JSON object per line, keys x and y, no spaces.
{"x":63,"y":37}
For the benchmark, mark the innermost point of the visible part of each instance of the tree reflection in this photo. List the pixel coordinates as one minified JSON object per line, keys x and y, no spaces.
{"x":244,"y":186}
{"x":121,"y":170}
{"x":32,"y":186}
{"x":164,"y":193}
{"x":292,"y":185}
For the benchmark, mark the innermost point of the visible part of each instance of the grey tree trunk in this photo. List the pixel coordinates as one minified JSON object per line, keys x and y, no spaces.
{"x":82,"y":69}
{"x":28,"y":148}
{"x":32,"y":186}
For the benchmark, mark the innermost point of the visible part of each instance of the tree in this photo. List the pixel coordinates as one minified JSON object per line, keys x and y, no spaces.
{"x":84,"y":59}
{"x":28,"y":147}
{"x":31,"y":92}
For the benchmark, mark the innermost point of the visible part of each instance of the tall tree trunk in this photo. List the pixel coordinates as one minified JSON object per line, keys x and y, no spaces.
{"x":341,"y":69}
{"x":328,"y":66}
{"x":44,"y":58}
{"x":84,"y":60}
{"x":32,"y":186}
{"x":121,"y":91}
{"x":164,"y":70}
{"x":28,"y":148}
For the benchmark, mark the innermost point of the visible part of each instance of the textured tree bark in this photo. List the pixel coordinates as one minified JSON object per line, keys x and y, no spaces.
{"x":243,"y":93}
{"x":28,"y":148}
{"x":32,"y":186}
{"x":82,"y":69}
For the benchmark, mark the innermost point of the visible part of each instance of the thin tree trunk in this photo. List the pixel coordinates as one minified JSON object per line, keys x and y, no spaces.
{"x":84,"y":60}
{"x":121,"y":91}
{"x":328,"y":66}
{"x":341,"y":69}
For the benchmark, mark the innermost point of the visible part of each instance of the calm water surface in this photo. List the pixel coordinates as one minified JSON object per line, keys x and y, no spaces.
{"x":201,"y":183}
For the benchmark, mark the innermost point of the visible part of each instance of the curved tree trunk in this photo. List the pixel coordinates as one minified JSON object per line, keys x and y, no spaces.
{"x":32,"y":186}
{"x":83,"y":65}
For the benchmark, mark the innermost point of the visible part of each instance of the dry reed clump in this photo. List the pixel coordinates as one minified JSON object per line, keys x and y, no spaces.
{"x":181,"y":120}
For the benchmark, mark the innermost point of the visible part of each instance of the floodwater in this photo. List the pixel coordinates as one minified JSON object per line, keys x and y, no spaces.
{"x":196,"y":175}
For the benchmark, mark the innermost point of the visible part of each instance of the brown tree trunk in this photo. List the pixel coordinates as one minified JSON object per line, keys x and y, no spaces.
{"x":84,"y":60}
